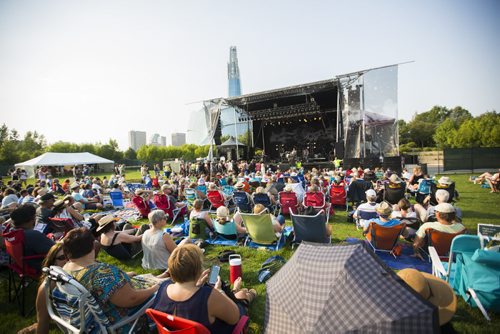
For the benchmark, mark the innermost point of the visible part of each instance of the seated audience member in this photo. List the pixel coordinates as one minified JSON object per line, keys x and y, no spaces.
{"x":88,"y":204}
{"x":64,"y":209}
{"x":186,"y":294}
{"x":278,"y":222}
{"x":29,"y":198}
{"x":57,"y":187}
{"x":415,"y":178}
{"x":119,"y":244}
{"x":384,"y":211}
{"x":44,"y":212}
{"x":115,"y":188}
{"x":35,"y":242}
{"x":164,"y":200}
{"x":111,"y":287}
{"x":369,"y":207}
{"x":197,"y":213}
{"x":403,"y":210}
{"x":142,"y":202}
{"x":156,"y":244}
{"x":9,"y":200}
{"x":226,"y":224}
{"x":442,"y":196}
{"x":446,"y":222}
{"x":66,"y":186}
{"x":493,"y":182}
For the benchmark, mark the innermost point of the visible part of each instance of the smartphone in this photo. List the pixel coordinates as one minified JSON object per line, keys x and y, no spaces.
{"x":214,"y":273}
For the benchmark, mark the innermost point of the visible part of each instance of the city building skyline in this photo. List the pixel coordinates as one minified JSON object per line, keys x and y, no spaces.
{"x":233,"y":73}
{"x":178,"y":139}
{"x":136,"y":139}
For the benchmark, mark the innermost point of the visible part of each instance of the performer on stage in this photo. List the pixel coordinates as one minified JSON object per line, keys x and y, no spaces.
{"x":305,"y":154}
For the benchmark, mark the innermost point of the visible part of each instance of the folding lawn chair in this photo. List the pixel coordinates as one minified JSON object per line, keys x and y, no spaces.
{"x":75,"y":310}
{"x":190,"y":195}
{"x":310,"y":228}
{"x":435,"y":187}
{"x":461,"y":243}
{"x":441,"y":241}
{"x":167,"y":323}
{"x":424,"y":189}
{"x":265,"y":200}
{"x":365,"y":216}
{"x":198,"y":229}
{"x":288,"y":202}
{"x":384,"y":239}
{"x":242,"y":201}
{"x":226,"y":231}
{"x":19,"y":267}
{"x":216,"y":199}
{"x":338,"y":195}
{"x":260,"y":229}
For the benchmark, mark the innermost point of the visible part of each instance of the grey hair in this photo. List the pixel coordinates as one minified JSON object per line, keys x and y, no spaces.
{"x":156,"y":216}
{"x":442,"y":196}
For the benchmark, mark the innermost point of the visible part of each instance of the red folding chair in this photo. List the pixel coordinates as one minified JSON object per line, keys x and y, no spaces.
{"x":18,"y":266}
{"x":167,"y":323}
{"x":288,"y":202}
{"x":441,"y":241}
{"x":216,"y":199}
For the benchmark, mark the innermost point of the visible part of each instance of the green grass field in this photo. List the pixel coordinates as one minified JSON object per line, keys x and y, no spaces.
{"x":477,"y":204}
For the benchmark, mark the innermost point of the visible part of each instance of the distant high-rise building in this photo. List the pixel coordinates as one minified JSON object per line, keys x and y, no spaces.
{"x":163,"y":141}
{"x":178,"y":139}
{"x":155,"y":139}
{"x":136,"y":139}
{"x":233,"y":73}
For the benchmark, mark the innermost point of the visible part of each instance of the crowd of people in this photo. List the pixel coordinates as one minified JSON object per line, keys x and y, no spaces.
{"x":35,"y":208}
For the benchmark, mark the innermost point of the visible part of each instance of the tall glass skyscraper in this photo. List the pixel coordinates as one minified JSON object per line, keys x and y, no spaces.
{"x":233,"y":73}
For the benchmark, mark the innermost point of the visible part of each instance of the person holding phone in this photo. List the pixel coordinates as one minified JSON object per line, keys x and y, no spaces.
{"x":186,"y":295}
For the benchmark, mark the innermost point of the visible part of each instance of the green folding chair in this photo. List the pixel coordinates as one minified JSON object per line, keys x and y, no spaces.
{"x":198,"y":229}
{"x":260,"y":229}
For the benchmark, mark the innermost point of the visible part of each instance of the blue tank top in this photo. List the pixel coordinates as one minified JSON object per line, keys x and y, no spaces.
{"x":194,"y":308}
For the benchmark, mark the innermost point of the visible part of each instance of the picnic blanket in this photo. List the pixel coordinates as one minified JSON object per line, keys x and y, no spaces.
{"x":405,"y":260}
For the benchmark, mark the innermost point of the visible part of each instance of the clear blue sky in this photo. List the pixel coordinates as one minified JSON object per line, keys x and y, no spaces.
{"x":90,"y":70}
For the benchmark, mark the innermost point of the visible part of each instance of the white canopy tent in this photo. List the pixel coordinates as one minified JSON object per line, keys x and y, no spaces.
{"x":65,"y":159}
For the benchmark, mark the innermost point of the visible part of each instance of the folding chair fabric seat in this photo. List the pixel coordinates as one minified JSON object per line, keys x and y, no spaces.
{"x":198,"y":229}
{"x":260,"y":229}
{"x":384,"y":238}
{"x":338,"y":194}
{"x":19,"y":266}
{"x":116,"y":199}
{"x":242,"y":201}
{"x":441,"y":241}
{"x":393,"y":195}
{"x":310,"y":228}
{"x":288,"y":202}
{"x":216,"y":199}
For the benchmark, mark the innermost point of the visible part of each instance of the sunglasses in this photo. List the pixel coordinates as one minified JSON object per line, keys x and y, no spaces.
{"x":61,"y":258}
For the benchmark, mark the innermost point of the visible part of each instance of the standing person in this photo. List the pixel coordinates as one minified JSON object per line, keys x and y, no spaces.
{"x":23,"y":177}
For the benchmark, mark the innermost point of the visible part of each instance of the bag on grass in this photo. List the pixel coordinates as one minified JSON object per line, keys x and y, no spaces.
{"x":270,"y":267}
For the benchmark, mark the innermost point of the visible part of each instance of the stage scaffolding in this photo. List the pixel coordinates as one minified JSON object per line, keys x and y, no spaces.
{"x":362,"y":106}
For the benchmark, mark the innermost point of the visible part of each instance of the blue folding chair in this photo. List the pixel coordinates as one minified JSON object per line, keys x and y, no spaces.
{"x":242,"y":201}
{"x":116,"y":199}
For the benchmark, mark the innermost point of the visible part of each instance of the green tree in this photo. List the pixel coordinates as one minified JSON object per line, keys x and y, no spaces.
{"x":446,"y":133}
{"x":130,"y":154}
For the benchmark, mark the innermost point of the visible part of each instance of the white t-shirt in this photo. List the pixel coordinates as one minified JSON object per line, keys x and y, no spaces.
{"x":155,"y":252}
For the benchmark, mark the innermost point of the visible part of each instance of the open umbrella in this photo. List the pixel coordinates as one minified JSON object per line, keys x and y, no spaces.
{"x":340,"y":289}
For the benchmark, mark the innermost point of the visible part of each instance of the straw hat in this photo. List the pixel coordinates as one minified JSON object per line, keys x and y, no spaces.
{"x":434,"y":290}
{"x":105,"y":221}
{"x":59,"y":204}
{"x":445,"y":180}
{"x":288,"y":188}
{"x":384,"y":209}
{"x":395,"y":179}
{"x":239,"y":185}
{"x":139,"y":191}
{"x":74,"y":185}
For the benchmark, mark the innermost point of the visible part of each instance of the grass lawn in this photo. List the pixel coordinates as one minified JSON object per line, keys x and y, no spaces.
{"x":477,"y":204}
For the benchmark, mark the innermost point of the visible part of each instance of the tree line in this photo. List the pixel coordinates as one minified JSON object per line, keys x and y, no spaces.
{"x":14,"y":149}
{"x":441,"y":127}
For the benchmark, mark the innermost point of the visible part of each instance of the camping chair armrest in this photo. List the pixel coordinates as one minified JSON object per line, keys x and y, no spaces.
{"x":135,"y":316}
{"x":240,"y":326}
{"x":437,"y":266}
